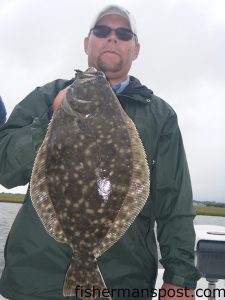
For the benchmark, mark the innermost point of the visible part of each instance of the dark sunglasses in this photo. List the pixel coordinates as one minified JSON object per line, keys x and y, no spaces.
{"x":103,"y":31}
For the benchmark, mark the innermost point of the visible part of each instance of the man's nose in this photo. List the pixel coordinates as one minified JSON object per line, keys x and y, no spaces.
{"x":112,"y":36}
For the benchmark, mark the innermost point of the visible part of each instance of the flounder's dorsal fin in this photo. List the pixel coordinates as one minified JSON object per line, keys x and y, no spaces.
{"x":40,"y":196}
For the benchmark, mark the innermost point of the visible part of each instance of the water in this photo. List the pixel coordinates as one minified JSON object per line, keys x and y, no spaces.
{"x":208,"y":220}
{"x":8,"y":213}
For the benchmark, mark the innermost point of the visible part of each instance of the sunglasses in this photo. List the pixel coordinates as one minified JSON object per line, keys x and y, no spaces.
{"x":103,"y":31}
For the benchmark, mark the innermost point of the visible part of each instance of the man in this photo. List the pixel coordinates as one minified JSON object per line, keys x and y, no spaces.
{"x":35,"y":263}
{"x":2,"y":112}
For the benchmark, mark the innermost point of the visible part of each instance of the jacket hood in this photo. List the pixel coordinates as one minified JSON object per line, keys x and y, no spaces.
{"x":136,"y":91}
{"x":136,"y":88}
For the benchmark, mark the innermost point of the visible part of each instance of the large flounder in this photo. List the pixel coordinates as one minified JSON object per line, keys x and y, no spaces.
{"x":90,"y":178}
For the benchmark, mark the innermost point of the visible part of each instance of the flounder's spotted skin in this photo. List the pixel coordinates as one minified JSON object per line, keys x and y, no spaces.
{"x":90,"y":179}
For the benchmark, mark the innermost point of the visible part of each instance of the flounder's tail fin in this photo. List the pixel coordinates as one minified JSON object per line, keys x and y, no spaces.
{"x":84,"y":280}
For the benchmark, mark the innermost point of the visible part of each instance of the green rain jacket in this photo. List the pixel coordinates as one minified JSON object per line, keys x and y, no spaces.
{"x":36,"y":264}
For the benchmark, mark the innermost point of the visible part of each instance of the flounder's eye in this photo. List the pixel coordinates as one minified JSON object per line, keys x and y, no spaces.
{"x":82,"y":102}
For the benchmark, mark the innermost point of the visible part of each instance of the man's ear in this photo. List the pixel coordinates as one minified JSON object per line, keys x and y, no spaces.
{"x":86,"y":40}
{"x":136,"y":50}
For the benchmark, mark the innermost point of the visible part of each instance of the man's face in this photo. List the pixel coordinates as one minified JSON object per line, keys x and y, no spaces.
{"x":111,"y":55}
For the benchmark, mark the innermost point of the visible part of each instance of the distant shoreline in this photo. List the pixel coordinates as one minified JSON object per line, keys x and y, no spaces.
{"x":210,"y":211}
{"x":200,"y":210}
{"x":12,"y":198}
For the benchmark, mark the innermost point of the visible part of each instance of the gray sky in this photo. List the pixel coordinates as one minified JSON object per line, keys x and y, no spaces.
{"x":182,"y":60}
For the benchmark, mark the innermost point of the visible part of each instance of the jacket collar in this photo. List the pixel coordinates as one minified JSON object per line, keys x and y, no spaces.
{"x":136,"y":91}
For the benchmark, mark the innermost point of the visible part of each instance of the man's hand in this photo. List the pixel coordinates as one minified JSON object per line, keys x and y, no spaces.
{"x":58,"y":99}
{"x":170,"y":291}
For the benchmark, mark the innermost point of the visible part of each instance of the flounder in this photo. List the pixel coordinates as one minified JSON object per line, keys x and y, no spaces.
{"x":90,"y":177}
